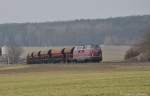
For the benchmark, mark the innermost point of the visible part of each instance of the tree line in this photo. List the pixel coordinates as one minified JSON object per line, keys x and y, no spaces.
{"x":120,"y":30}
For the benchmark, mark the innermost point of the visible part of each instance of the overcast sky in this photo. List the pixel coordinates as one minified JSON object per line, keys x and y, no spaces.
{"x":56,"y":10}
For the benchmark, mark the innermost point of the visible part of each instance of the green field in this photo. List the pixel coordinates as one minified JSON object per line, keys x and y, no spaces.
{"x":105,"y":79}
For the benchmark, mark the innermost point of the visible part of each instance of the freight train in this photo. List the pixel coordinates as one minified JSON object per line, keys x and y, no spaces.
{"x":84,"y":53}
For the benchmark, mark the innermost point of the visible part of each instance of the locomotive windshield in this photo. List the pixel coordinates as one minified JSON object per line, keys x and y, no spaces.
{"x":95,"y":46}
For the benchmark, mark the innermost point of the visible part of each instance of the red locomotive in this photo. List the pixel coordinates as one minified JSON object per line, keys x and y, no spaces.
{"x":84,"y":53}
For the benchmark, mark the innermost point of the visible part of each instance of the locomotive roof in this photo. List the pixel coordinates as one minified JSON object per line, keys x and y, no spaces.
{"x":87,"y":46}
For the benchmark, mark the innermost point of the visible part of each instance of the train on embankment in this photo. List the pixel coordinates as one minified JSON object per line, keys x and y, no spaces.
{"x":76,"y":54}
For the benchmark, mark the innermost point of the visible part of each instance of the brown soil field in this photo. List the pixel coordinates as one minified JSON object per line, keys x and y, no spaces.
{"x":58,"y":68}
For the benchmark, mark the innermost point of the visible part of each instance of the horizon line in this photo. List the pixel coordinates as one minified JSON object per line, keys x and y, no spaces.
{"x":71,"y":20}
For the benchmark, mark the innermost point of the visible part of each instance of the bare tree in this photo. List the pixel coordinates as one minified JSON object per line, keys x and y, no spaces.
{"x":14,"y":54}
{"x":146,"y":45}
{"x":142,"y":49}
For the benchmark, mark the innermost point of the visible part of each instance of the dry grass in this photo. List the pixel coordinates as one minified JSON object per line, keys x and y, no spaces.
{"x":88,"y":67}
{"x":114,"y":53}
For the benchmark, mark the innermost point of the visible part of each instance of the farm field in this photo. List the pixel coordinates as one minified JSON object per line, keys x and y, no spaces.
{"x":106,"y":79}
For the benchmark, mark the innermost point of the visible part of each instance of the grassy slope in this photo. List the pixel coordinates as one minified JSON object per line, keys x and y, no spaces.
{"x":75,"y":80}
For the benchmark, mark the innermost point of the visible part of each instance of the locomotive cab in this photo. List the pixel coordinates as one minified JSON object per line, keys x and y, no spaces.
{"x":88,"y":53}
